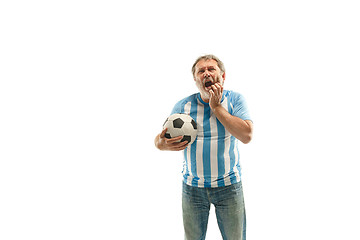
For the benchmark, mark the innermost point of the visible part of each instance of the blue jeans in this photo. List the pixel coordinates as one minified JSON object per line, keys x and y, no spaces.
{"x":229,"y":209}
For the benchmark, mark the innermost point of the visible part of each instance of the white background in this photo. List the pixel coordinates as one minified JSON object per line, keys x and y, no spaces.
{"x":86,"y":85}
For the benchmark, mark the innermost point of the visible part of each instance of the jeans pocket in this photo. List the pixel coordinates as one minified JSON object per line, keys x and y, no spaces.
{"x":237,"y":188}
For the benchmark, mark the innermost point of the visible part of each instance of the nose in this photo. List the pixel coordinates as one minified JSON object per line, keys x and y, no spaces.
{"x":206,"y":74}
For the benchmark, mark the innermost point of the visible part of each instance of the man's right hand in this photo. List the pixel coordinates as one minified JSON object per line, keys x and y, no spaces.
{"x":169,"y":144}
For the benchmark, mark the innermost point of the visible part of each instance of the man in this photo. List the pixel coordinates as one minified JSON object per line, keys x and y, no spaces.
{"x":211,"y":164}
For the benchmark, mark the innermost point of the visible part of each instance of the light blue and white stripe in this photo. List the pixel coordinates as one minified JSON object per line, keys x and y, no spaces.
{"x":213,"y":159}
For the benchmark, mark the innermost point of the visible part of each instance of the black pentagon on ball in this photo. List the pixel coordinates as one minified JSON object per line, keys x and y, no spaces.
{"x":178,"y":123}
{"x":167,"y":135}
{"x":186,"y":138}
{"x":194,"y":124}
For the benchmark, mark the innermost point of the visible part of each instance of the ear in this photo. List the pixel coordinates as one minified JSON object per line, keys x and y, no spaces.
{"x":223,"y":76}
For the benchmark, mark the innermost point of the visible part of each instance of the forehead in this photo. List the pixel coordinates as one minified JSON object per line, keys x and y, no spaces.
{"x":206,"y":63}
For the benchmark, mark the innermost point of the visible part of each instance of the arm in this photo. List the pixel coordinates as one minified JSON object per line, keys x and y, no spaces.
{"x":241,"y":129}
{"x":171,"y":144}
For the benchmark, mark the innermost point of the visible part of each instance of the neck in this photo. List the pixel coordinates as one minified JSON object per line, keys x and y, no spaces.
{"x":204,"y":98}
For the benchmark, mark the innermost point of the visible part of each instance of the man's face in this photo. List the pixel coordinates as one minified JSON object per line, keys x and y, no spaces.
{"x":206,"y":74}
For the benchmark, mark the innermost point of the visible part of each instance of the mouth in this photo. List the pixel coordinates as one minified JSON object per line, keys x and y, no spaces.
{"x":208,"y":83}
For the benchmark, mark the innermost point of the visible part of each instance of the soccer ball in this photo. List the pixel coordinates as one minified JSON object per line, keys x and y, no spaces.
{"x":181,"y":125}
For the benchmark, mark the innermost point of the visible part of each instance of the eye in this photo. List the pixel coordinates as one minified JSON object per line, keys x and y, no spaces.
{"x":201,"y":71}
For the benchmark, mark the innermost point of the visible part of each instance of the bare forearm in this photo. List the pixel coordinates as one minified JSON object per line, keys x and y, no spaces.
{"x":237,"y":127}
{"x":241,"y":129}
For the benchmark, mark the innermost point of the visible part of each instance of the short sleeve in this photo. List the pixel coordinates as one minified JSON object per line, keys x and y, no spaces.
{"x":178,"y":108}
{"x":239,"y":106}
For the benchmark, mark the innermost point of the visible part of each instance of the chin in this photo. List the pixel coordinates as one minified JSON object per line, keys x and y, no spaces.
{"x":205,"y":95}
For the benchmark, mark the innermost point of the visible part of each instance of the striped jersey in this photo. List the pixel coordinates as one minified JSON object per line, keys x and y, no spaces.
{"x":213,"y":160}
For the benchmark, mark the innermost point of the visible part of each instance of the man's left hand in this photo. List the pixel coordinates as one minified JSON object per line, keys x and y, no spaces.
{"x":216,"y":92}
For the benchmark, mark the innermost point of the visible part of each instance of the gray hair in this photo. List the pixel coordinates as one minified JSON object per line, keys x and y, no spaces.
{"x":209,"y":57}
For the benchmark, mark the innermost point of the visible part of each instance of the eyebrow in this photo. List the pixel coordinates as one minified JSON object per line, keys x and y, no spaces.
{"x":206,"y":67}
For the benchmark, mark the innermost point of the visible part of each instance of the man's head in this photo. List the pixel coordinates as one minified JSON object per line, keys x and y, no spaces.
{"x":208,"y":70}
{"x":208,"y":57}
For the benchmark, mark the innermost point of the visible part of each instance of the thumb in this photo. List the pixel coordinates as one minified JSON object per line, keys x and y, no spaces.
{"x":211,"y":93}
{"x":162,"y":134}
